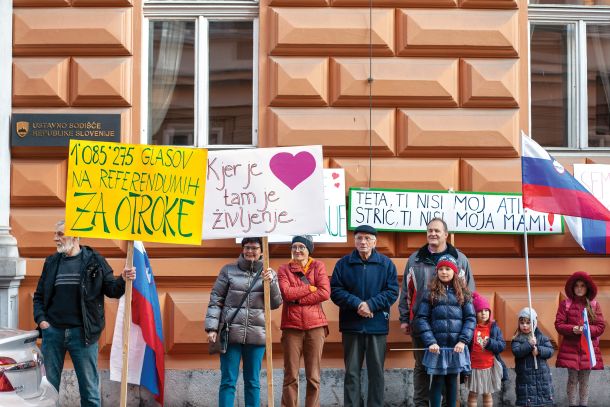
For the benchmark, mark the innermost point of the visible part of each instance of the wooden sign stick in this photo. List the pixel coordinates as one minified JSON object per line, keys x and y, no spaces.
{"x":268,"y":340}
{"x":126,"y":325}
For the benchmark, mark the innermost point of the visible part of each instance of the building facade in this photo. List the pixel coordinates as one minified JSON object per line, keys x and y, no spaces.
{"x":453,"y":82}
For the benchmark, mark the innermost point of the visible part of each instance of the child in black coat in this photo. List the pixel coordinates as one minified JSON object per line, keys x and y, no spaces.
{"x":534,"y":385}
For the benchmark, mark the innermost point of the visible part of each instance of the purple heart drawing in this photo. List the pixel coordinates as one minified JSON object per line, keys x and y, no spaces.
{"x":292,"y":169}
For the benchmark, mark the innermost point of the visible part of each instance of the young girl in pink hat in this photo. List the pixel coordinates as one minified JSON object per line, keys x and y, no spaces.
{"x":488,"y":368}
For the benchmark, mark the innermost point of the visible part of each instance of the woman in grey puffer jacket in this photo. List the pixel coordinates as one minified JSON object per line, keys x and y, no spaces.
{"x":247,"y":331}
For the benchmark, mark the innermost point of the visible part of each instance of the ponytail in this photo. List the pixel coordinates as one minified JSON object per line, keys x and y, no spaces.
{"x":590,"y":312}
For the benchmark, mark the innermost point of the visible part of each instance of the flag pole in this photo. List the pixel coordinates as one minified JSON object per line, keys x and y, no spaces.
{"x":527,"y":259}
{"x":126,"y":325}
{"x":268,"y":340}
{"x":527,"y":274}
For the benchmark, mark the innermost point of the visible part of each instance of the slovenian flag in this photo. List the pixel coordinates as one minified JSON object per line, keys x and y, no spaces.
{"x":592,"y":235}
{"x":586,"y":343}
{"x":146,"y":352}
{"x":548,"y":187}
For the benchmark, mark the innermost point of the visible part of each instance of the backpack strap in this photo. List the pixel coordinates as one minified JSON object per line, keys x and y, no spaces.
{"x":568,"y":303}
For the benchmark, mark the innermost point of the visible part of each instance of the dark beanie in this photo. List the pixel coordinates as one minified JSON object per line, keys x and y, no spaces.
{"x":306,"y":240}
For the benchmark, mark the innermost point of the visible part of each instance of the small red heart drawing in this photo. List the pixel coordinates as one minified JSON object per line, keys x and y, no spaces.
{"x":337,"y":184}
{"x":335,"y":175}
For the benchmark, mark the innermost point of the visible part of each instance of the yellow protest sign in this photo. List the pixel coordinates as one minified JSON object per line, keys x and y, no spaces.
{"x":135,"y":192}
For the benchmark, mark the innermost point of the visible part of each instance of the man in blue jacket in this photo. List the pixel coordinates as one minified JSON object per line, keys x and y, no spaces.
{"x":364,"y":285}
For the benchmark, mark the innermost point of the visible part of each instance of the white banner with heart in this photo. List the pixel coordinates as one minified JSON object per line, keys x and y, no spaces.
{"x":264,"y":191}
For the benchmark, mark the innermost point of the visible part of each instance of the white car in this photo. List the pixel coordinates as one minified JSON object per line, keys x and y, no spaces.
{"x":22,"y":377}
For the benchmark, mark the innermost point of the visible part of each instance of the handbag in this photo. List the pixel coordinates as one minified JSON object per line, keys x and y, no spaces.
{"x":222,"y":339}
{"x":303,"y":277}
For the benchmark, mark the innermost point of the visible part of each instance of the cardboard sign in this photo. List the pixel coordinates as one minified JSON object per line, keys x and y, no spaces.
{"x":464,"y":212}
{"x":334,"y":207}
{"x":135,"y":192}
{"x":334,"y":211}
{"x":264,"y":191}
{"x":596,"y":178}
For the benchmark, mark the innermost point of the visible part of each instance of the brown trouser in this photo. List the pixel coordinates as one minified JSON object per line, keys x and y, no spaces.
{"x":309,"y":344}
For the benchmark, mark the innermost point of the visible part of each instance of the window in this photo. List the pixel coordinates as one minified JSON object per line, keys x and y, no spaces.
{"x":200,"y":80}
{"x":573,"y":2}
{"x":570,"y":73}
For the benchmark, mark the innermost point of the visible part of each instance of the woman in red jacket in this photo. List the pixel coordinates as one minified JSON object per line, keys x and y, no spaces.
{"x":304,"y":286}
{"x":581,"y":291}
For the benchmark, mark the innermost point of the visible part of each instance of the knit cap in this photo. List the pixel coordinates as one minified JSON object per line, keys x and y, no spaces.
{"x":307,"y":240}
{"x":525,"y":313}
{"x":480,"y":303}
{"x":449,"y":261}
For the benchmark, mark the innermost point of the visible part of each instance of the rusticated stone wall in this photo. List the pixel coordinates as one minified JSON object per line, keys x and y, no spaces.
{"x":449,"y":99}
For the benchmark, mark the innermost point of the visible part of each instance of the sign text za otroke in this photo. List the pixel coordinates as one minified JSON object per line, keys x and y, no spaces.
{"x":406,"y":210}
{"x":135,"y":192}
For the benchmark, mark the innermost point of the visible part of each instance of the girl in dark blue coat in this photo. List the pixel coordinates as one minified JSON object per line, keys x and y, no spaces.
{"x":445,"y":323}
{"x":534,"y":386}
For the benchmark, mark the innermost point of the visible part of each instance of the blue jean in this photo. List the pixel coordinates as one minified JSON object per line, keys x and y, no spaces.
{"x":55,"y":343}
{"x":252,"y":356}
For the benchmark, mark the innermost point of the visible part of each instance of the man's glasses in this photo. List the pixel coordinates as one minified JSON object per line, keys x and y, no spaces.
{"x":251,"y":248}
{"x":365,"y":239}
{"x":298,"y":248}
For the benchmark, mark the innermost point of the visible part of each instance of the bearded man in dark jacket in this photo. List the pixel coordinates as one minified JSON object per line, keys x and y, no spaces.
{"x":69,"y":310}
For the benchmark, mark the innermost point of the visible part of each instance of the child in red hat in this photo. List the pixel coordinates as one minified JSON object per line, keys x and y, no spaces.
{"x":581,"y":291}
{"x":445,"y":322}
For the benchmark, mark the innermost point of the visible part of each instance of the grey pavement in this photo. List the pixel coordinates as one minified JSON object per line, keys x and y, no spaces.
{"x":199,"y":388}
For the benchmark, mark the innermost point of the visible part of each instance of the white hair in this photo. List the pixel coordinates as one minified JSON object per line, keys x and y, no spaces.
{"x":62,"y":222}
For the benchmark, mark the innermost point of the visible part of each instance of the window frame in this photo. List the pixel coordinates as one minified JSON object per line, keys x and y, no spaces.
{"x":201,"y":13}
{"x":575,"y":18}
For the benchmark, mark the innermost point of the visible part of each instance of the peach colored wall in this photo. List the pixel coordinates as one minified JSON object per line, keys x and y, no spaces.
{"x":449,"y":100}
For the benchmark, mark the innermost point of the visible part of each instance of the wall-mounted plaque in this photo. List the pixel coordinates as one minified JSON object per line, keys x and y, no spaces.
{"x":56,"y":130}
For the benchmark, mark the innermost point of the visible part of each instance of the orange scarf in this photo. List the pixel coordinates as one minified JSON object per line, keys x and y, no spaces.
{"x":306,"y":267}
